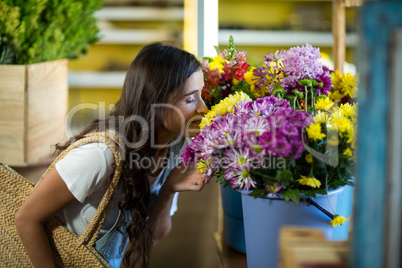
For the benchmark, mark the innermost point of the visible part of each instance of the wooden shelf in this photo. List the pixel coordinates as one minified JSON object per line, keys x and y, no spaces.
{"x":96,"y":80}
{"x":140,"y":14}
{"x":133,"y":36}
{"x":283,"y":38}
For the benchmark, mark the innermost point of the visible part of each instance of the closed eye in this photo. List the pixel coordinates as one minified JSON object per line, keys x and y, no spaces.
{"x":190,"y":100}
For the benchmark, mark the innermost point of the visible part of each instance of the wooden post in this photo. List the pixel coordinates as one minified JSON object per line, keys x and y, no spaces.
{"x":338,"y":33}
{"x":339,"y":30}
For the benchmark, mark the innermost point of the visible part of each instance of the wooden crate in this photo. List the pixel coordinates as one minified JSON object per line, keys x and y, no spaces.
{"x":33,"y":106}
{"x":307,"y":247}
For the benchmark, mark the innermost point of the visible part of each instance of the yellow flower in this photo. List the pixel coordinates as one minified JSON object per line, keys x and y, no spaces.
{"x":336,"y":78}
{"x":351,"y":137}
{"x":348,"y":110}
{"x":336,"y":115}
{"x":333,"y":141}
{"x":353,"y":92}
{"x":321,"y":117}
{"x":312,"y":182}
{"x":219,"y":59}
{"x":314,"y":131}
{"x":344,"y":125}
{"x":309,"y":158}
{"x":348,"y":152}
{"x":207,"y":119}
{"x":235,"y":81}
{"x":251,"y":79}
{"x":324,"y":55}
{"x":338,"y":220}
{"x":335,"y":96}
{"x":347,"y":83}
{"x":202,"y":165}
{"x":223,"y":107}
{"x":217,"y":63}
{"x":324,"y":104}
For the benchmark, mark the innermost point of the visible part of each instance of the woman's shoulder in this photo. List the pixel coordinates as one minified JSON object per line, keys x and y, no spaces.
{"x":86,"y":168}
{"x":94,"y":151}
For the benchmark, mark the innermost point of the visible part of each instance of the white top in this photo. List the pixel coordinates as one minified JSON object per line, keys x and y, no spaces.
{"x":86,"y":171}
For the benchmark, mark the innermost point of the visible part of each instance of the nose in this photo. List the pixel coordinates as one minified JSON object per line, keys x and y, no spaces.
{"x":202,"y":108}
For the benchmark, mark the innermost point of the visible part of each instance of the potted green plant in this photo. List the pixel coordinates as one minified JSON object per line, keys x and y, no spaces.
{"x":37,"y":37}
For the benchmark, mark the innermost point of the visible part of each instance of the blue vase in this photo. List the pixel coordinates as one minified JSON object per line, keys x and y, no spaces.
{"x":264,"y":217}
{"x":233,"y":219}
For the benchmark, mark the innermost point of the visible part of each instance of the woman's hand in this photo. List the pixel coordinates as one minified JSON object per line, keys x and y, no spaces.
{"x":185,"y":178}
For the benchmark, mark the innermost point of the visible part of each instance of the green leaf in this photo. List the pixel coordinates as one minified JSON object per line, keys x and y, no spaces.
{"x":265,"y":177}
{"x":313,"y":192}
{"x":279,"y":175}
{"x":208,"y":58}
{"x":221,"y":179}
{"x":287,"y":175}
{"x":45,"y":30}
{"x":258,"y":193}
{"x":293,"y":194}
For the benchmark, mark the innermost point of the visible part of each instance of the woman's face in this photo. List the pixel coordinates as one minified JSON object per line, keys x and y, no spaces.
{"x":184,"y":116}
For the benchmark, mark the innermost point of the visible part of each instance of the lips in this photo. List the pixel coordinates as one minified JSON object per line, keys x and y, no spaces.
{"x":196,"y":122}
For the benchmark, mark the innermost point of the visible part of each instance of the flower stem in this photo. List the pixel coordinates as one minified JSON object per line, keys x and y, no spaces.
{"x":305,"y":101}
{"x":326,"y":188}
{"x":312,"y":98}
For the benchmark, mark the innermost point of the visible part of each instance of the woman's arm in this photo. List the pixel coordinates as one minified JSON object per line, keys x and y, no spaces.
{"x":181,"y":178}
{"x":48,"y":198}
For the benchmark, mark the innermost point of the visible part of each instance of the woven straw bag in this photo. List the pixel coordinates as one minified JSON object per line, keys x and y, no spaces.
{"x":69,"y":250}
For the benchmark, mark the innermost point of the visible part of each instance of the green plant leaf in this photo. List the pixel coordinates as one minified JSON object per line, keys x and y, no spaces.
{"x":221,"y":179}
{"x":258,"y":193}
{"x":45,"y":30}
{"x":287,"y":175}
{"x":292,"y":194}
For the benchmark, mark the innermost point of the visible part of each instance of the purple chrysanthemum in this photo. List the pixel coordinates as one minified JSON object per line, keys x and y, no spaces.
{"x":301,"y":63}
{"x":239,"y":164}
{"x":324,"y":83}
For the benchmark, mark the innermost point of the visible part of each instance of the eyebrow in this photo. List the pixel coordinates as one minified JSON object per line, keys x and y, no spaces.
{"x":191,"y":93}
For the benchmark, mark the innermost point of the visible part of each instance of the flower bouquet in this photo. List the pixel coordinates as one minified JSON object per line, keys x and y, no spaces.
{"x":282,"y":131}
{"x":227,"y":73}
{"x":292,"y":143}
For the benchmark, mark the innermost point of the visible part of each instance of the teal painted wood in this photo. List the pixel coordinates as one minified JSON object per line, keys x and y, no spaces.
{"x":377,"y":20}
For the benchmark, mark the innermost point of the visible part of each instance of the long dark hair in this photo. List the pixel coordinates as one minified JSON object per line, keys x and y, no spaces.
{"x":158,"y":71}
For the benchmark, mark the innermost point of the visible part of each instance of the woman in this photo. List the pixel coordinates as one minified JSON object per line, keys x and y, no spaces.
{"x":161,"y":101}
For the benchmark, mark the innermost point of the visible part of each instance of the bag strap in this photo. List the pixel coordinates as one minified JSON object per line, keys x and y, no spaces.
{"x":91,"y":232}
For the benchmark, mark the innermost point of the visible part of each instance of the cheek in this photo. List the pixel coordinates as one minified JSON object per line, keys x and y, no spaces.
{"x":186,"y":111}
{"x":174,"y":118}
